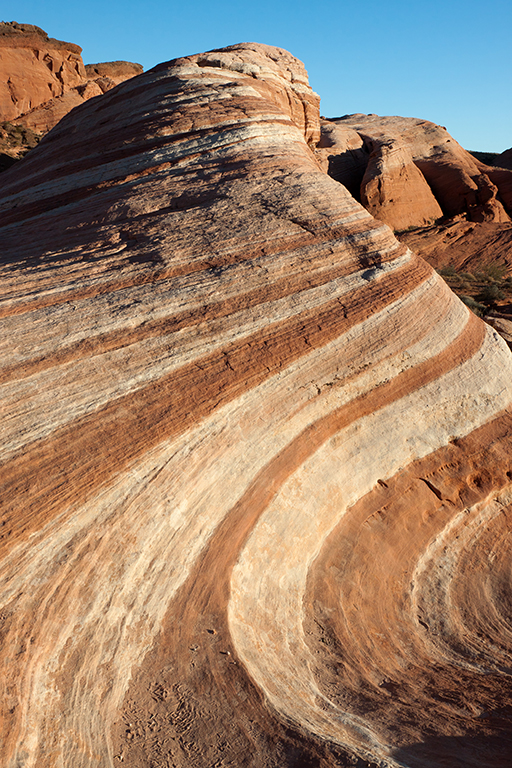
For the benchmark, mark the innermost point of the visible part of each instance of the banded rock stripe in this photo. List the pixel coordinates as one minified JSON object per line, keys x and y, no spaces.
{"x":256,"y":475}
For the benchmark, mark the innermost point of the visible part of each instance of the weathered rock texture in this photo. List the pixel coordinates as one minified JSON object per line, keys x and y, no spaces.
{"x":446,"y":205}
{"x":503,"y":325}
{"x":42,"y":79}
{"x":465,"y":245}
{"x":256,"y":457}
{"x":412,"y":172}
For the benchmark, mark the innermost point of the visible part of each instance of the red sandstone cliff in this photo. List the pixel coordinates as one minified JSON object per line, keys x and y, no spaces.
{"x":412,"y":175}
{"x":255,"y":467}
{"x":411,"y":172}
{"x":42,"y":79}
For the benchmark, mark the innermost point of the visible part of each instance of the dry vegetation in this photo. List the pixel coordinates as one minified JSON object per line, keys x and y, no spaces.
{"x":485,"y":289}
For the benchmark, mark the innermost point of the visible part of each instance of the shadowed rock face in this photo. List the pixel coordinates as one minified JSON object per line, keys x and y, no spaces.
{"x":256,"y":474}
{"x":505,"y":159}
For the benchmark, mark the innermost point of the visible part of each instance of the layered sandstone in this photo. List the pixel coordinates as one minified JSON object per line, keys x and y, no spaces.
{"x":463,"y":244}
{"x":256,"y":458}
{"x":42,"y":79}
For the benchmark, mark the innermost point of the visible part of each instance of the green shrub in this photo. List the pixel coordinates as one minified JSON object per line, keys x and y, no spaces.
{"x":490,"y":294}
{"x":496,"y":271}
{"x":447,"y":271}
{"x":474,"y":306}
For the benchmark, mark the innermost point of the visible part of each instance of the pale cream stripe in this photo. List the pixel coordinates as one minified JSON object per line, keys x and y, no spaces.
{"x":68,"y":278}
{"x":431,"y":594}
{"x":138,"y":305}
{"x":36,"y":406}
{"x":275,"y":134}
{"x":269,"y":581}
{"x":143,"y":534}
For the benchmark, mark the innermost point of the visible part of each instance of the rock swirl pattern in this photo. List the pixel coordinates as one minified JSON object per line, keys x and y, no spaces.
{"x":256,"y":461}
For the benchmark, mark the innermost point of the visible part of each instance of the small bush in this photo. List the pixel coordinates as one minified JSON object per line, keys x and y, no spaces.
{"x":490,"y":295}
{"x":474,"y":306}
{"x":447,"y":271}
{"x":496,"y":271}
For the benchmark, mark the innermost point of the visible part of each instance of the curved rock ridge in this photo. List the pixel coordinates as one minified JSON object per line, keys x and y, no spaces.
{"x":42,"y":79}
{"x":256,"y":456}
{"x":409,"y":172}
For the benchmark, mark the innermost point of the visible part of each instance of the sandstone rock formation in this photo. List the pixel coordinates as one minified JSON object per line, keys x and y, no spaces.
{"x":415,"y":172}
{"x":463,"y":244}
{"x":505,"y":159}
{"x":42,"y":79}
{"x":502,"y":323}
{"x":256,"y":459}
{"x":445,"y":204}
{"x":380,"y":173}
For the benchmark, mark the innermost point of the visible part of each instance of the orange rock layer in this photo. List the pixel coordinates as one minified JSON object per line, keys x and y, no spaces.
{"x":410,"y":173}
{"x":42,"y":79}
{"x":255,"y":473}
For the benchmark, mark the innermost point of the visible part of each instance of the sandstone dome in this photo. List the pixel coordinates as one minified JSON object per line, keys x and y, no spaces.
{"x":256,"y":456}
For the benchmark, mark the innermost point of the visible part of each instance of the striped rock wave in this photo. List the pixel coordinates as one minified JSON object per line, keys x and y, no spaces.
{"x":256,"y":457}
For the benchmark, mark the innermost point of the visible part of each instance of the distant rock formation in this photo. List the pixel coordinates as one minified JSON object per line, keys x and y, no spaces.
{"x":256,"y":457}
{"x":505,"y":159}
{"x":463,"y":244}
{"x":445,"y":204}
{"x":42,"y":79}
{"x":412,"y":172}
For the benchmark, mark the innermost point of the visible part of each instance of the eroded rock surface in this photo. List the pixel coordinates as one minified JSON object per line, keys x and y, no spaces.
{"x":463,"y":244}
{"x":42,"y":79}
{"x":256,"y":456}
{"x":444,"y":203}
{"x":416,"y":173}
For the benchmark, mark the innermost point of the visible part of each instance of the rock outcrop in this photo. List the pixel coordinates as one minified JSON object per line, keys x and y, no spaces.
{"x":42,"y":79}
{"x":414,"y":172}
{"x":505,"y":159}
{"x":256,"y":456}
{"x":447,"y":205}
{"x":463,"y":244}
{"x":502,"y":323}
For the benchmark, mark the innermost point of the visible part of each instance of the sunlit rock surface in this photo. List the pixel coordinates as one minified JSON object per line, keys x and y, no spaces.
{"x":42,"y":79}
{"x":256,"y":457}
{"x":412,"y":172}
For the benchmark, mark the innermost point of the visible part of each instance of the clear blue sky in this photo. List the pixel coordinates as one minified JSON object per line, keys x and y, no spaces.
{"x":447,"y":61}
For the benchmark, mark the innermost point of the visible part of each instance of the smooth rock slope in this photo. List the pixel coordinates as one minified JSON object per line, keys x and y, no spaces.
{"x":256,"y":456}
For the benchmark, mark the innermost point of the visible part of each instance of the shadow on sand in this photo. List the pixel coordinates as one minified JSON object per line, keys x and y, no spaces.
{"x":479,"y":751}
